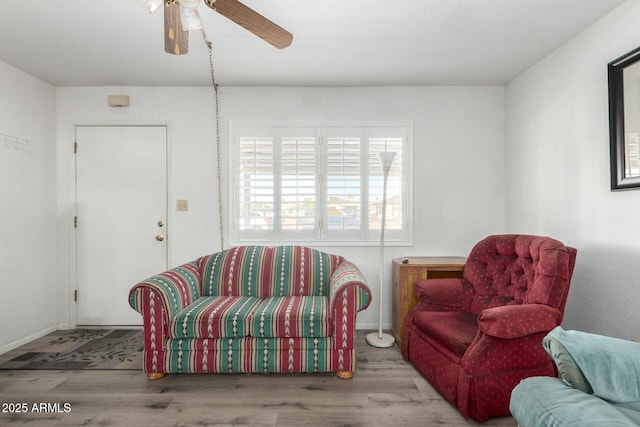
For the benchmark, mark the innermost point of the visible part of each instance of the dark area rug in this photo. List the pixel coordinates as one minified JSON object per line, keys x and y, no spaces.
{"x":79,"y":349}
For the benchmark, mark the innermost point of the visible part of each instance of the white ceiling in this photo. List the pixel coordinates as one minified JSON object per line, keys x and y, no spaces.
{"x":336,"y":42}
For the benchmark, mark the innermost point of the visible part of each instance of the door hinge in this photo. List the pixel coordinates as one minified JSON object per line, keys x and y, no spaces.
{"x":75,"y":295}
{"x":75,"y":148}
{"x":75,"y":222}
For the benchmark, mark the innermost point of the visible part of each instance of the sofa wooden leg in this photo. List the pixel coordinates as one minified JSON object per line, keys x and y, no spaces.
{"x":344,"y":375}
{"x":155,"y":375}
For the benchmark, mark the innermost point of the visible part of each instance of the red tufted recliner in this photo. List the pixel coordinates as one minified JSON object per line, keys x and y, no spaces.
{"x":475,"y":338}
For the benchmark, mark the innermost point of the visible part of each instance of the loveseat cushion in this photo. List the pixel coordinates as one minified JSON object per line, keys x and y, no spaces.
{"x":262,"y":271}
{"x":214,"y":317}
{"x":294,"y":316}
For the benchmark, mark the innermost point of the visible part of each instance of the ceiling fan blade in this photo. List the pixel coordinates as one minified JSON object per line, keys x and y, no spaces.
{"x":252,"y":21}
{"x":176,"y":40}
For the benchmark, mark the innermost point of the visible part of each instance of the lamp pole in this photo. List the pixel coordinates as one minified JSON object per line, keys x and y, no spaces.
{"x":381,"y":339}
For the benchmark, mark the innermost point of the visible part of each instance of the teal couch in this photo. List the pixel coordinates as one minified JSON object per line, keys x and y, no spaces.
{"x":598,"y":384}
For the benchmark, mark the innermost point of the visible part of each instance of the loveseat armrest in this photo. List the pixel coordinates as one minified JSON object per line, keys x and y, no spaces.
{"x":176,"y":288}
{"x":349,"y":294}
{"x":514,"y":321}
{"x":160,"y":297}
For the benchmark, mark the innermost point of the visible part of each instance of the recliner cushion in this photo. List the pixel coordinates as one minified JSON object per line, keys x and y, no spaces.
{"x":453,"y":330}
{"x":294,"y":316}
{"x":214,"y":317}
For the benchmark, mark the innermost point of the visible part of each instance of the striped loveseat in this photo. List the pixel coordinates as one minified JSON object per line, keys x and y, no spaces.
{"x":252,"y":309}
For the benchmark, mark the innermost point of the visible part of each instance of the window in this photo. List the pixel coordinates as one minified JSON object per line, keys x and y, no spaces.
{"x":319,"y":183}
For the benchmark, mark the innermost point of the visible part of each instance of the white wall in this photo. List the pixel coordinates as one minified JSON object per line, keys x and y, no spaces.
{"x":458,"y":159}
{"x":28,"y":258}
{"x":557,"y":170}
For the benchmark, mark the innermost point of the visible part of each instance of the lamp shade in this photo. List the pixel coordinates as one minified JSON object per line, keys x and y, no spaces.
{"x":386,"y":158}
{"x":151,"y":5}
{"x":190,"y":18}
{"x":189,"y":3}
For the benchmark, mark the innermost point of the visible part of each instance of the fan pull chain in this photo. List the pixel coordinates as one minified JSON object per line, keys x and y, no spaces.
{"x":218,"y":163}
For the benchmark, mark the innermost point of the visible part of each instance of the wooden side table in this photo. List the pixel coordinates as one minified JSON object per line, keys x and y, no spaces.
{"x":405,"y":277}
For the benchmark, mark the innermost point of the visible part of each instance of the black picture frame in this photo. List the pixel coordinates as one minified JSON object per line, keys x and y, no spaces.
{"x":619,"y":155}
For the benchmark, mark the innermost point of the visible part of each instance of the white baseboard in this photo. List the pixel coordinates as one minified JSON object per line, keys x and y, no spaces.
{"x":126,"y":327}
{"x":374,"y":326}
{"x":15,"y":344}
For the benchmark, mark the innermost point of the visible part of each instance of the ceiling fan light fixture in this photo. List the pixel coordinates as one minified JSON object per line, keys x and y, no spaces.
{"x":190,"y":18}
{"x":189,"y":3}
{"x":151,"y":5}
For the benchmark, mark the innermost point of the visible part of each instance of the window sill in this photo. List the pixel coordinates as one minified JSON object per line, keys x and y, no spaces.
{"x":323,"y":243}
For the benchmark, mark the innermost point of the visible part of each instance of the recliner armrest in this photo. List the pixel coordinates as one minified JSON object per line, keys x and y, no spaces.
{"x":513,"y":321}
{"x":440,"y":294}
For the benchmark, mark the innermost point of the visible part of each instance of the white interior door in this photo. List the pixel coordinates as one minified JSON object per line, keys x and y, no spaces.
{"x":121,"y":205}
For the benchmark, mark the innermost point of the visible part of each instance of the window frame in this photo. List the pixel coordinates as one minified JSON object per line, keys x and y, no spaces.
{"x":319,"y":235}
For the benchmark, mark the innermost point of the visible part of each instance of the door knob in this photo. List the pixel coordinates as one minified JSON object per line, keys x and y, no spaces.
{"x":161,"y":223}
{"x":160,"y":237}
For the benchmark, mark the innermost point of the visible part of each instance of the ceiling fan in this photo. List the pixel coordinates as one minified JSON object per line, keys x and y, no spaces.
{"x":177,"y":13}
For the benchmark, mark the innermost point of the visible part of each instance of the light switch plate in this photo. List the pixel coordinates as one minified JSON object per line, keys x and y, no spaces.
{"x":182,"y":205}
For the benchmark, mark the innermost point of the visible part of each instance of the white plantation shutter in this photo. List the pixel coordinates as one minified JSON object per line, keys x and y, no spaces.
{"x":255,"y":189}
{"x":344,"y":184}
{"x":318,"y":183}
{"x":298,"y":184}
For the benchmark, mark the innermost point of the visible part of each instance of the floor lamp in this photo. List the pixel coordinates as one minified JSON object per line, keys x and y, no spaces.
{"x":379,"y":339}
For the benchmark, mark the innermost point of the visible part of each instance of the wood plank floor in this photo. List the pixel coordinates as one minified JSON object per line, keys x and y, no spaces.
{"x":385,"y":391}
